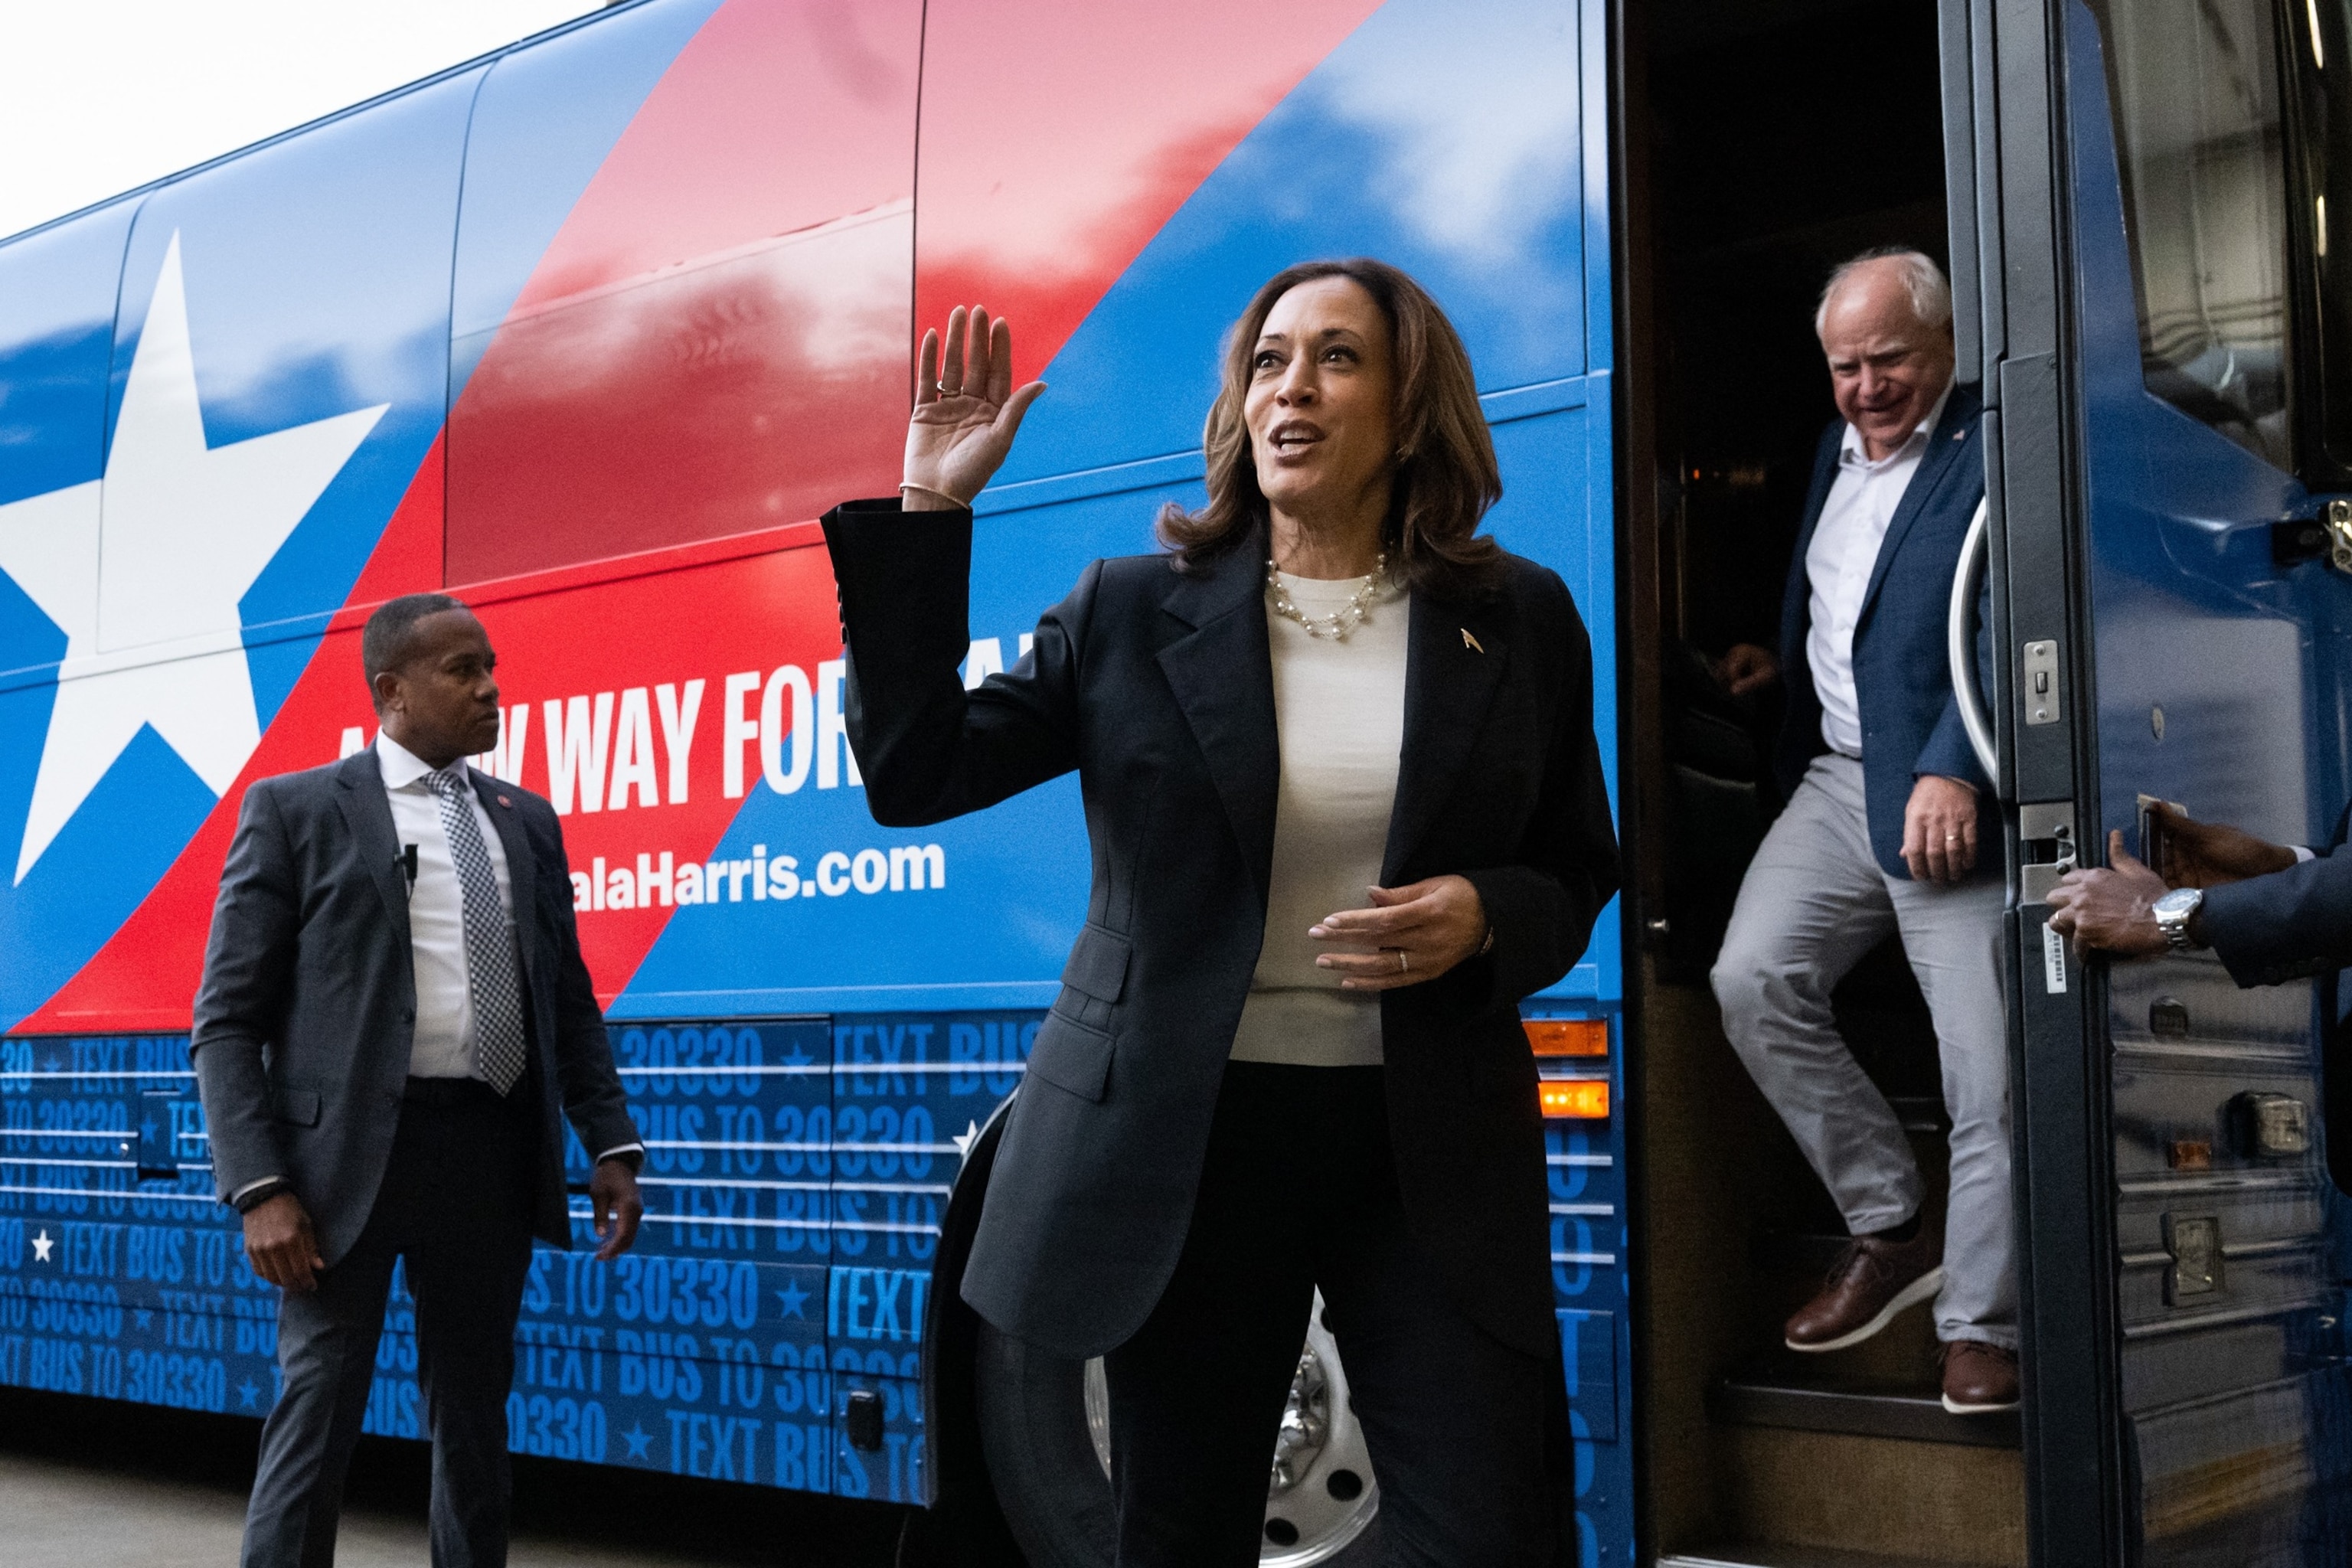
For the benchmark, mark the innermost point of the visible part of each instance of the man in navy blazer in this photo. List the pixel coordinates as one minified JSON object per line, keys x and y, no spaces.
{"x":1880,"y":835}
{"x":394,"y":1022}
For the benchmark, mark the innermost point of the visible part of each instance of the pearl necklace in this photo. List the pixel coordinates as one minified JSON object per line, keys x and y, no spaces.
{"x":1340,"y":622}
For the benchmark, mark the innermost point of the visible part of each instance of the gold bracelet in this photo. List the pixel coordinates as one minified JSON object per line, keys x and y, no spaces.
{"x":940,"y":495}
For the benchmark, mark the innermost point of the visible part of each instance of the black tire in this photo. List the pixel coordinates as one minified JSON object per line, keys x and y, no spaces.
{"x":1041,"y":1458}
{"x":1049,"y":1483}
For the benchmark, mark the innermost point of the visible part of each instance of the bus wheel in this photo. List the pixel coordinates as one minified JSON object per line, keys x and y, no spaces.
{"x":1045,"y":1430}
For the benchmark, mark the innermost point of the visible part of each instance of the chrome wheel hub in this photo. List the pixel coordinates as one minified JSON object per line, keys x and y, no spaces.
{"x":1320,"y":1493}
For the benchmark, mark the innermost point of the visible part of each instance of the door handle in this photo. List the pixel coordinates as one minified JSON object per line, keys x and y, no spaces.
{"x":1968,"y":581}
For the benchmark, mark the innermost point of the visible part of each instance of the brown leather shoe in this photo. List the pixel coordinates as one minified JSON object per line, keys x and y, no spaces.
{"x":1979,"y":1378}
{"x":1870,"y":1282}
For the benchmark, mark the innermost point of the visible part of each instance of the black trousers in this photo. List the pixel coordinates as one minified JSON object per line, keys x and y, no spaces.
{"x":1299,"y":1189}
{"x":456,"y":1204}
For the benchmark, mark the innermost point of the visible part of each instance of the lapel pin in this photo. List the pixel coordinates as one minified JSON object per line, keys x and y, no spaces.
{"x":1470,"y":642}
{"x":505,"y":802}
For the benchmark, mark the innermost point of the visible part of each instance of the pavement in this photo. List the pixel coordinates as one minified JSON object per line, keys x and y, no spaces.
{"x":57,"y":1515}
{"x":89,"y":1483}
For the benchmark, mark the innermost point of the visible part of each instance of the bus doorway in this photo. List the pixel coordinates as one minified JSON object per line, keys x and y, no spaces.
{"x":1763,"y":143}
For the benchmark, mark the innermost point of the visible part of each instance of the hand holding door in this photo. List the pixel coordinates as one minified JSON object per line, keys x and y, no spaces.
{"x":2111,"y":908}
{"x":966,"y":412}
{"x":2207,"y":853}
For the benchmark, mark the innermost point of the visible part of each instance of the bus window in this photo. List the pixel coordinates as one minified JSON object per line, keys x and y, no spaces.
{"x":714,"y":342}
{"x":2195,"y":85}
{"x":2322,"y":128}
{"x":56,"y":330}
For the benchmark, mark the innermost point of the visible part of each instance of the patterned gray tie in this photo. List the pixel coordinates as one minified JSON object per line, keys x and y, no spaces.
{"x":490,"y":956}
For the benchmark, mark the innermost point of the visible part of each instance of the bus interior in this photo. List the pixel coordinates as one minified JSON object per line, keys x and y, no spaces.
{"x":1764,"y":142}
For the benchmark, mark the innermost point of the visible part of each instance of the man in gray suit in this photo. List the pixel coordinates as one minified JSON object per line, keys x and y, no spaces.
{"x":394,"y":1016}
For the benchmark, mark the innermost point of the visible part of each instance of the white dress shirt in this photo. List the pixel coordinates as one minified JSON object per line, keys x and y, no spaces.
{"x":444,"y":1042}
{"x":1338,"y":714}
{"x":444,"y":1045}
{"x":1843,"y":554}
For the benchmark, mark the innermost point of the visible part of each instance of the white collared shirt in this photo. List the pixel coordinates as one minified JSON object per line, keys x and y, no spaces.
{"x":1841,"y":559}
{"x":444,"y":1044}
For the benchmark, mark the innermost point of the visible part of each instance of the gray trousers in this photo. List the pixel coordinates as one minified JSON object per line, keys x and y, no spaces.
{"x":1815,"y":902}
{"x":455,"y":1204}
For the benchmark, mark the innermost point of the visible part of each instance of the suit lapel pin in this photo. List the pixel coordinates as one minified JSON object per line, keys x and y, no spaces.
{"x":505,"y":802}
{"x":1470,"y":642}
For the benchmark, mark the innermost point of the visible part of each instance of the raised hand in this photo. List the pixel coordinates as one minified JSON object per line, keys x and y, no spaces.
{"x":966,"y":411}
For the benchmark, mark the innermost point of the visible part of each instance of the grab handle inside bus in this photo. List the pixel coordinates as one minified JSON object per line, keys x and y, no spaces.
{"x":1966,"y":581}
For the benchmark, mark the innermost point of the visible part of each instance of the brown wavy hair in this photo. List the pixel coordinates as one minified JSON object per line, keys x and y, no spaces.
{"x":1445,"y":474}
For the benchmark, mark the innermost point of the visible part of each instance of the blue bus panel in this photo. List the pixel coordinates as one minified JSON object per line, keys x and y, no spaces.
{"x":375,"y":326}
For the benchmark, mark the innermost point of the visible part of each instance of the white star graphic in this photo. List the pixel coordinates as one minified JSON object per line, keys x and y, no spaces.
{"x":41,"y":1246}
{"x":962,"y":1141}
{"x":143,"y":569}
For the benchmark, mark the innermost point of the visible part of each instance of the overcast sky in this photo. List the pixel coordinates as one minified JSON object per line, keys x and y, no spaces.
{"x":97,"y":95}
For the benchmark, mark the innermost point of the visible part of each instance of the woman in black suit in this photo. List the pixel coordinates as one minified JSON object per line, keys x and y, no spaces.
{"x":1346,"y":811}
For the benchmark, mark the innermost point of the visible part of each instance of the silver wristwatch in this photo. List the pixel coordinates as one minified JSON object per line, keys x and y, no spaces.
{"x":2172,"y":916}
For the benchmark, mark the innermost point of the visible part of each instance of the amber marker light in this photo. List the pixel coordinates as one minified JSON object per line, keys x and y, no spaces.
{"x":1568,"y":1036}
{"x":1575,"y":1098}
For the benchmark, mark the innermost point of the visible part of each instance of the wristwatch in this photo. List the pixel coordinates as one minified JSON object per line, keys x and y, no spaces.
{"x":2173,"y":913}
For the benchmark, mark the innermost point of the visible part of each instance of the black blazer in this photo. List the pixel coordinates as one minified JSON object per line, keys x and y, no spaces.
{"x":308,"y":1002}
{"x":1157,"y":686}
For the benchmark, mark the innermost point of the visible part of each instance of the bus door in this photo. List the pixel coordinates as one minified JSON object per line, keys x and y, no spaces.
{"x":2166,"y":356}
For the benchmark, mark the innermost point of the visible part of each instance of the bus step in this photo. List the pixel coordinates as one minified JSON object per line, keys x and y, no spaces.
{"x":1795,"y":1557}
{"x":1774,"y":1394}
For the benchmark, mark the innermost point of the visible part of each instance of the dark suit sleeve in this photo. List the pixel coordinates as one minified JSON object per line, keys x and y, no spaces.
{"x":928,"y":749}
{"x":2283,"y":926}
{"x":584,"y":1076}
{"x":241,"y":1001}
{"x":1542,"y":909}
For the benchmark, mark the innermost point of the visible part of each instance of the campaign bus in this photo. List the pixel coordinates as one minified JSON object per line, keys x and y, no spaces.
{"x":589,"y":331}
